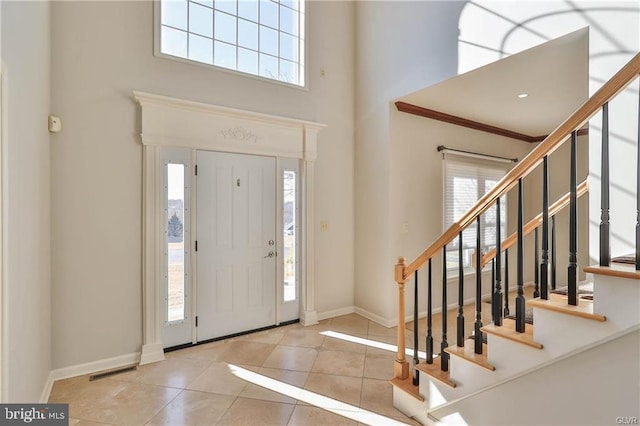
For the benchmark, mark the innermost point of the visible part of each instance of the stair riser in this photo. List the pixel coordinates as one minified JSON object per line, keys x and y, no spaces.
{"x":409,"y":405}
{"x":434,"y":392}
{"x":470,"y":376}
{"x":503,"y":352}
{"x":613,"y":293}
{"x":561,"y":333}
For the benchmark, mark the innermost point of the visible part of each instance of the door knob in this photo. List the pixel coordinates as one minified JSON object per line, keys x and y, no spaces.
{"x":270,"y":254}
{"x":271,"y":242}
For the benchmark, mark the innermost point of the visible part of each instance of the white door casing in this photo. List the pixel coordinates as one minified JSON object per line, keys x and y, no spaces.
{"x":236,"y":272}
{"x":170,"y":122}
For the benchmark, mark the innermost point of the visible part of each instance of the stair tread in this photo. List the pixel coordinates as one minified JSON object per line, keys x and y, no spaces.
{"x":407,"y":386}
{"x":558,"y":303}
{"x":615,"y":270}
{"x":433,"y":370}
{"x":508,"y":331}
{"x":467,"y":352}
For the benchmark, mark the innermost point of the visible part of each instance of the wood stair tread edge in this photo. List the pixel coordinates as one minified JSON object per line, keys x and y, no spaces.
{"x":407,"y":386}
{"x":434,"y":371}
{"x":468,"y":353}
{"x":615,"y":270}
{"x":558,"y":303}
{"x":508,"y":331}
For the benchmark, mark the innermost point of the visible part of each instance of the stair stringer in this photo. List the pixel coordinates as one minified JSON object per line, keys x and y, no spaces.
{"x":558,"y":381}
{"x":551,"y":330}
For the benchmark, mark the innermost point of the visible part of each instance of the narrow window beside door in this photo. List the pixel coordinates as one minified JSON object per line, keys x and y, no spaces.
{"x":175,"y":243}
{"x":289,"y":237}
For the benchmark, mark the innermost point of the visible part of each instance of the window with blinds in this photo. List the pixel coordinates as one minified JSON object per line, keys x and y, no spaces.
{"x":466,"y":179}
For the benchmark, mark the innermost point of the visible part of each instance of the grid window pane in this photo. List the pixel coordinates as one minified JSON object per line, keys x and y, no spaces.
{"x":200,"y":20}
{"x":212,"y":31}
{"x":288,"y":47}
{"x":288,"y":20}
{"x":269,"y":13}
{"x":293,"y":4}
{"x":268,"y":41}
{"x":247,"y":61}
{"x":224,"y":55}
{"x":174,"y":42}
{"x":268,"y":66}
{"x":208,"y":3}
{"x":248,"y":9}
{"x":174,"y":13}
{"x":228,"y":6}
{"x":247,"y":34}
{"x":226,"y":27}
{"x":288,"y":71}
{"x":200,"y":49}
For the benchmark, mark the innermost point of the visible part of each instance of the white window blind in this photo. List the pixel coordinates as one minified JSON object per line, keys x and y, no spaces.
{"x":466,"y":179}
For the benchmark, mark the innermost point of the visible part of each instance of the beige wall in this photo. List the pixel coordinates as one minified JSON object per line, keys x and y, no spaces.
{"x":102,"y":51}
{"x":401,"y":47}
{"x":26,"y":194}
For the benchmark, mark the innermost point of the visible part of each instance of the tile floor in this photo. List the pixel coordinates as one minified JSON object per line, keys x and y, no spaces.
{"x":291,"y":375}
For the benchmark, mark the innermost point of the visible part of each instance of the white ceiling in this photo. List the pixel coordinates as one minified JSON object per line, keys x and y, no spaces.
{"x":554,"y":74}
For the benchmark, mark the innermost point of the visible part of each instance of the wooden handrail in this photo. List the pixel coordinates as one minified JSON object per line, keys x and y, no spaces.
{"x":554,"y":208}
{"x":587,"y":110}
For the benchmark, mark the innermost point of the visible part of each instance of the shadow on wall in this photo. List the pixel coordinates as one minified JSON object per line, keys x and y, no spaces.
{"x":491,"y":30}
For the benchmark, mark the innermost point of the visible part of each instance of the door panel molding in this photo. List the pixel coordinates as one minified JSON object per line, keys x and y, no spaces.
{"x":171,"y":122}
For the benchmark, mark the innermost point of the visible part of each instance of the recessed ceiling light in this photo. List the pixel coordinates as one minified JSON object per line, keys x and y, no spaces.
{"x":523,"y":95}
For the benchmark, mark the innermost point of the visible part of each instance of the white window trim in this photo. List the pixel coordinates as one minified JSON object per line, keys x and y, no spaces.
{"x":157,"y":52}
{"x":170,"y":122}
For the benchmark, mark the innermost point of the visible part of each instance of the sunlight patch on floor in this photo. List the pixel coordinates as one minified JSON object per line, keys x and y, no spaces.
{"x":371,"y":343}
{"x":343,"y":409}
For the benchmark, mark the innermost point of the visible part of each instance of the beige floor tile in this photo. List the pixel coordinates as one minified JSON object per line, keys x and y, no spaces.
{"x":387,"y":340}
{"x":193,"y":408}
{"x":350,"y":324}
{"x":337,"y":344}
{"x":136,"y":403}
{"x":303,"y":338}
{"x":291,"y":358}
{"x":376,"y":329}
{"x":337,"y":388}
{"x":218,"y":378}
{"x":255,"y":412}
{"x":173,"y":372}
{"x":271,"y":337}
{"x":377,"y":396}
{"x":257,"y":391}
{"x":378,"y":367}
{"x":340,"y":363}
{"x":80,"y":422}
{"x":313,"y":416}
{"x":82,"y":394}
{"x":246,"y":353}
{"x":209,"y":351}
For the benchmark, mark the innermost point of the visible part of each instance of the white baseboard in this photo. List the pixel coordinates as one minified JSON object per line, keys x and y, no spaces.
{"x":88,"y":368}
{"x":336,"y":313}
{"x":308,"y":318}
{"x":152,"y":352}
{"x":376,"y":318}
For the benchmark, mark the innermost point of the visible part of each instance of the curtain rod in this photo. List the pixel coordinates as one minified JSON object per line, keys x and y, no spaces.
{"x":442,"y":148}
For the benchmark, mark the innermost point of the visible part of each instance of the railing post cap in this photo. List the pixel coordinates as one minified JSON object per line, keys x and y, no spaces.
{"x":402,"y":260}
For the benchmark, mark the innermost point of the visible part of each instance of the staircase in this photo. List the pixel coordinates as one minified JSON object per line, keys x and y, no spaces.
{"x":569,"y":332}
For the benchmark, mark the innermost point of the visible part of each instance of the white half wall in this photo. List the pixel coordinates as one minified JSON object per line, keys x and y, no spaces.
{"x":26,"y":198}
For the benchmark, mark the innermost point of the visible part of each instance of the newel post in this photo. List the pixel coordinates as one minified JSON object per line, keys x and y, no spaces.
{"x":401,"y":367}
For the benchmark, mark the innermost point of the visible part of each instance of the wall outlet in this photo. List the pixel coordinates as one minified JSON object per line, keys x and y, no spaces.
{"x":55,"y":124}
{"x":405,"y":228}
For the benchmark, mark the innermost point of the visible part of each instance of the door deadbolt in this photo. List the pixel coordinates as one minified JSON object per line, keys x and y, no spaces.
{"x":271,"y":242}
{"x":270,"y":254}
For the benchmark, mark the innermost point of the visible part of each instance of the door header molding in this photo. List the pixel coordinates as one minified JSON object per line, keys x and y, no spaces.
{"x":181,"y":123}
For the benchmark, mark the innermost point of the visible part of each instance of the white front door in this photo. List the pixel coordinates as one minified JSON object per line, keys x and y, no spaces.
{"x":236,"y":243}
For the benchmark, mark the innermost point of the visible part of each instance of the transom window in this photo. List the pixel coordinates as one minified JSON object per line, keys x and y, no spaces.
{"x":259,"y":37}
{"x":467,"y":179}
